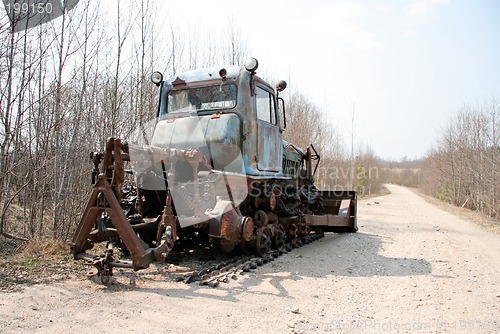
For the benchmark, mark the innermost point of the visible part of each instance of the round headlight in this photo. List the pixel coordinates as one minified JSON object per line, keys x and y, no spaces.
{"x":251,"y":64}
{"x":156,"y":77}
{"x":281,"y":85}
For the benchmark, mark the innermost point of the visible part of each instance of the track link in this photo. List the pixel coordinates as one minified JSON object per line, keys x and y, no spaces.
{"x":231,"y":269}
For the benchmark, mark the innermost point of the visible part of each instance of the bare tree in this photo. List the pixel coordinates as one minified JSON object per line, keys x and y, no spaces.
{"x":462,"y":169}
{"x":234,"y":51}
{"x":67,"y":85}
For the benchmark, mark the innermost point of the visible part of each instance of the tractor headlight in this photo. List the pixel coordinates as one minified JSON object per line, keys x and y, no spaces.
{"x":251,"y":64}
{"x":157,"y":78}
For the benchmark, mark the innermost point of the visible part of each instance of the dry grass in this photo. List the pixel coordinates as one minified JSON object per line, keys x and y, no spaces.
{"x":38,"y":261}
{"x":45,"y":248}
{"x":486,"y":223}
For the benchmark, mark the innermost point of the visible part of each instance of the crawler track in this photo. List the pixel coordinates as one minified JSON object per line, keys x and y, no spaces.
{"x":230,"y":269}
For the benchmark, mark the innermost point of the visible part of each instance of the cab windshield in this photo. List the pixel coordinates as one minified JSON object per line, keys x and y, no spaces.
{"x":202,"y":98}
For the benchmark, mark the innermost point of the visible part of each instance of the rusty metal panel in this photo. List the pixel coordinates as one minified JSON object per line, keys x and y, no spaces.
{"x":338,"y":221}
{"x":269,"y":147}
{"x":344,"y":211}
{"x":315,"y":220}
{"x":196,"y":132}
{"x":341,"y":207}
{"x":230,"y":226}
{"x":336,"y":202}
{"x":223,"y":138}
{"x":140,"y":256}
{"x":326,"y":220}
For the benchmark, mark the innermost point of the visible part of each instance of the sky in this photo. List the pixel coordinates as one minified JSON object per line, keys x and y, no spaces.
{"x":404,"y":68}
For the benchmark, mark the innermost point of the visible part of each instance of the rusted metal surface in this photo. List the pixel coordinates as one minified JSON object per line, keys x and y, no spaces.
{"x":248,"y":227}
{"x":269,"y":147}
{"x":341,"y":208}
{"x":80,"y":243}
{"x":166,"y":233}
{"x":326,"y":221}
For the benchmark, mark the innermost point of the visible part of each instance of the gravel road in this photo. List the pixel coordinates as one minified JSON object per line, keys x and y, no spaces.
{"x":411,"y":268}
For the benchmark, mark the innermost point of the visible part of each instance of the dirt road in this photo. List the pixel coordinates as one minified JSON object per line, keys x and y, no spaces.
{"x":411,"y":268}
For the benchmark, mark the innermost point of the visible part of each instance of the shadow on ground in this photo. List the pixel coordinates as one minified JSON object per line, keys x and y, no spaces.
{"x":336,"y":255}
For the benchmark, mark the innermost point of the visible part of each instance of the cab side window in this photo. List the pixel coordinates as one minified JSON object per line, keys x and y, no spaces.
{"x":266,"y":109}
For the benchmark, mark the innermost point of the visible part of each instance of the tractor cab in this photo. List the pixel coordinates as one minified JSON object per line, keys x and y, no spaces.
{"x":228,"y":113}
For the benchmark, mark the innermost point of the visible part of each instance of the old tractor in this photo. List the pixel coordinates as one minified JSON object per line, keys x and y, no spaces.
{"x":216,"y":169}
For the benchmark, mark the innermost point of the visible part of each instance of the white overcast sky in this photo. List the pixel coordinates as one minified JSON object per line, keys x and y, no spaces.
{"x":406,"y":65}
